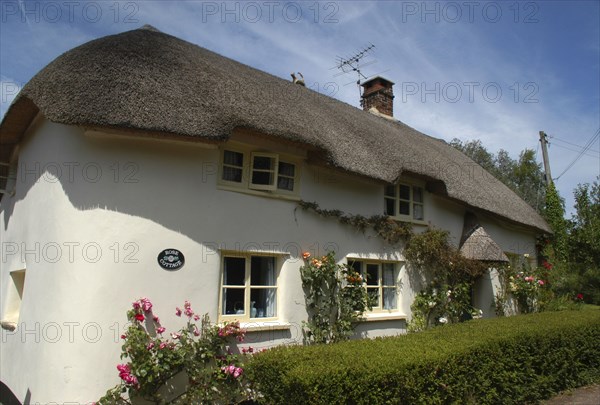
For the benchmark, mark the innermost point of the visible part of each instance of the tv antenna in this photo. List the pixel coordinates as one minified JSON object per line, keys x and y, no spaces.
{"x":354,"y":63}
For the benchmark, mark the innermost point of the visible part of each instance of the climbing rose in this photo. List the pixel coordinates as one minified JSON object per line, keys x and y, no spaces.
{"x":146,"y":304}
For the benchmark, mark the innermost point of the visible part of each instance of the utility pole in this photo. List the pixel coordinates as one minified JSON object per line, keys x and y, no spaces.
{"x":544,"y":142}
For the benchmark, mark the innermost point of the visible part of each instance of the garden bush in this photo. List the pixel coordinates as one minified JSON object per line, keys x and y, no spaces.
{"x":521,"y":359}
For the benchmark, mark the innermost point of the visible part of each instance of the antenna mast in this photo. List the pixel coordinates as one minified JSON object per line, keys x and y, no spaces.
{"x":353,"y":63}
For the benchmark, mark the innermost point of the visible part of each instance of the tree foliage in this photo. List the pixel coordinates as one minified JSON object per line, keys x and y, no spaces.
{"x":554,"y":213}
{"x":584,"y":226}
{"x":524,"y":175}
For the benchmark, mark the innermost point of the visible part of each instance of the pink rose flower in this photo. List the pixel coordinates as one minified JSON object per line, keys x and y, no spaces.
{"x":150,"y":346}
{"x":160,"y":330}
{"x":196,"y":318}
{"x":178,"y":311}
{"x":175,"y":335}
{"x":146,"y":304}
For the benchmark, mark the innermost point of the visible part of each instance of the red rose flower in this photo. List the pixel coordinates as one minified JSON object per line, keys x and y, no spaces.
{"x":139,"y":317}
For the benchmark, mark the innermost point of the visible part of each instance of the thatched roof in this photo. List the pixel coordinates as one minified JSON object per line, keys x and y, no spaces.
{"x":145,"y":80}
{"x":480,"y":246}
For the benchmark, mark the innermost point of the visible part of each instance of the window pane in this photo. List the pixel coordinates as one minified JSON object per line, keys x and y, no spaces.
{"x":388,"y":274}
{"x":418,"y":194}
{"x":390,"y":206}
{"x":404,"y":208}
{"x":372,"y":274}
{"x":263,"y":163}
{"x":404,"y":192}
{"x":285,"y":183}
{"x":417,"y":211}
{"x":262,"y":270}
{"x":356,"y":266}
{"x":233,"y":301}
{"x":235,"y":271}
{"x":390,"y":191}
{"x":287,"y":169}
{"x":263,"y":302}
{"x":232,"y":174}
{"x":265,"y":178}
{"x":389,"y":298}
{"x":233,"y":158}
{"x":374,"y":295}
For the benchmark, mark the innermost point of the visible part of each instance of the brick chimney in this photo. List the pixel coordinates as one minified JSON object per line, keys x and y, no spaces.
{"x":378,"y":93}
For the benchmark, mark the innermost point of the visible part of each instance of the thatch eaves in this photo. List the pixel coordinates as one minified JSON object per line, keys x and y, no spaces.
{"x":146,"y":80}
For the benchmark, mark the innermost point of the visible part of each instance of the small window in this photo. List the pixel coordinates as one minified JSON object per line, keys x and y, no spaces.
{"x":264,"y":171}
{"x":259,"y":172}
{"x":404,"y":201}
{"x":286,"y":176}
{"x":233,"y":166}
{"x":249,"y":287}
{"x":380,"y":282}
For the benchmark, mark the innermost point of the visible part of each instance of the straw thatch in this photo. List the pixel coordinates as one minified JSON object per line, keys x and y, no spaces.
{"x":145,"y":80}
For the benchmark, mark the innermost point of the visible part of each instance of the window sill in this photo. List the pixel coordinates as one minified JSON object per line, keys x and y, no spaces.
{"x":243,"y":190}
{"x":260,"y":326}
{"x":384,"y":316}
{"x":409,"y":220}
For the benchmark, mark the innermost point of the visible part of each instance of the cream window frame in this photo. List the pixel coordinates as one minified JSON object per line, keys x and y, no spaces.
{"x":396,"y":198}
{"x":222,"y":166}
{"x":246,"y":185}
{"x":248,"y":287}
{"x":274,"y":171}
{"x":381,"y":286}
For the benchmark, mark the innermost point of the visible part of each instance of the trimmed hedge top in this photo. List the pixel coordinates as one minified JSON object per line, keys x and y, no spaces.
{"x":509,"y":360}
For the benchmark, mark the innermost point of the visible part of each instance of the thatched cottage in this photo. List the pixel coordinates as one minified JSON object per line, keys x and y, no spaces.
{"x":139,"y":164}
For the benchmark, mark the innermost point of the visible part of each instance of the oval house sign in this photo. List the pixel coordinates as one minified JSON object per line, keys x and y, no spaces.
{"x":171,"y":259}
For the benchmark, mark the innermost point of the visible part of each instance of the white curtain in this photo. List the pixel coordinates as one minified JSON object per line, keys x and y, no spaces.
{"x":271,"y":293}
{"x":389,"y":289}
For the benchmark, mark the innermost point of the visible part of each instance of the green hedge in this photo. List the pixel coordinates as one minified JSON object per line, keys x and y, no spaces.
{"x":521,"y":359}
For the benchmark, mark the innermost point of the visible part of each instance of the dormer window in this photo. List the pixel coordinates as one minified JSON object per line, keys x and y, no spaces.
{"x":264,"y":171}
{"x":258,"y":172}
{"x":404,"y":201}
{"x":233,"y":166}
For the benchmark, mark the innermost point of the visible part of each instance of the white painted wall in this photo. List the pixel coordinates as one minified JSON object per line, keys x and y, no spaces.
{"x":91,"y":214}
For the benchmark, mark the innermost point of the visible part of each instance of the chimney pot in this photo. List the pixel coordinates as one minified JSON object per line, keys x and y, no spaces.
{"x":378,"y":93}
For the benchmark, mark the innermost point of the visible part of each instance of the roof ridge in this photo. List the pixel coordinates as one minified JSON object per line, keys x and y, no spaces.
{"x":149,"y":27}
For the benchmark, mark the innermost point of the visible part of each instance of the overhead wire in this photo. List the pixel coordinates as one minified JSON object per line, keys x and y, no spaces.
{"x":572,"y":144}
{"x":587,"y":146}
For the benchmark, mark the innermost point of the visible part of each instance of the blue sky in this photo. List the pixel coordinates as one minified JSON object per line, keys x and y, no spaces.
{"x":497,"y":71}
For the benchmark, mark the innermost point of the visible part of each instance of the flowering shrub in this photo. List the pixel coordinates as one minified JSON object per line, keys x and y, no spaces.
{"x":335,"y":299}
{"x":434,"y":306}
{"x":212,"y":373}
{"x":526,"y":283}
{"x":447,"y":298}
